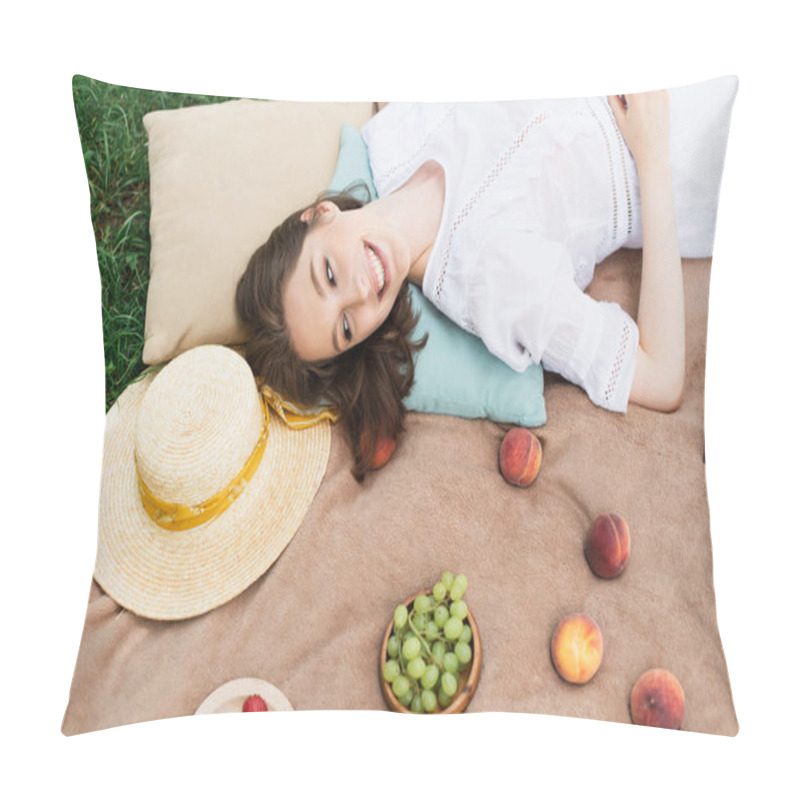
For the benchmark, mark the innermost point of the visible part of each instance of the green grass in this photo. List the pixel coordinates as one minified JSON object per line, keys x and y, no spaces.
{"x":114,"y":146}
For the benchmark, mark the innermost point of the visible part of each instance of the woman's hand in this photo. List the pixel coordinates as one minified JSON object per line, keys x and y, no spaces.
{"x":643,"y":120}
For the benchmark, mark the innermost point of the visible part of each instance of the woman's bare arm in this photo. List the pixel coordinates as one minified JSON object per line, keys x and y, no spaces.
{"x":660,"y":368}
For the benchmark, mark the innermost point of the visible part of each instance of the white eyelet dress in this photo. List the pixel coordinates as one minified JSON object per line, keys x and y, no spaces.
{"x":538,"y":193}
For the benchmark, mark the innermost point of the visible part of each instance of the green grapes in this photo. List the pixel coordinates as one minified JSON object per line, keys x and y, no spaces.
{"x":449,"y":683}
{"x":430,"y":646}
{"x":430,"y":677}
{"x":459,"y":609}
{"x":419,"y":621}
{"x":422,"y":603}
{"x":416,"y":668}
{"x":440,"y":616}
{"x":463,"y":652}
{"x":452,"y":628}
{"x":450,"y":662}
{"x":401,"y":685}
{"x":411,"y":648}
{"x":400,"y":617}
{"x":459,"y":587}
{"x":391,"y":670}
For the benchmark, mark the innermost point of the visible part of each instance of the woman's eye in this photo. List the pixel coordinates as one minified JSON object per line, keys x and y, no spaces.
{"x":348,"y":334}
{"x":329,"y":273}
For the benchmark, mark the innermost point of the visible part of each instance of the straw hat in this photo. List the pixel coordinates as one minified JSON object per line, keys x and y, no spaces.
{"x":202,"y":487}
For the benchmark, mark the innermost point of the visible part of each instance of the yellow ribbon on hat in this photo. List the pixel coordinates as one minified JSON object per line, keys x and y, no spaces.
{"x":177,"y":517}
{"x":296,"y":416}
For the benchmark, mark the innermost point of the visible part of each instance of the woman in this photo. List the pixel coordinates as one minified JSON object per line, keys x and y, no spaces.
{"x":500,"y":213}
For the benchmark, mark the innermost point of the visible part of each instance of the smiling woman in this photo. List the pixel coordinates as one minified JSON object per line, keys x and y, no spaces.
{"x":313,"y":265}
{"x":358,"y":261}
{"x":500,"y":213}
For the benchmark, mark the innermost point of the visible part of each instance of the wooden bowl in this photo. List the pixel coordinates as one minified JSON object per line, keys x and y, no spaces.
{"x":468,"y":677}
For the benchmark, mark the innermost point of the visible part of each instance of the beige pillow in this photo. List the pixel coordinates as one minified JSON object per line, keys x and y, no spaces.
{"x":221,"y":178}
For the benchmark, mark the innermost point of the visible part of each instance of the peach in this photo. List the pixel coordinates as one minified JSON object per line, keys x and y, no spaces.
{"x":577,"y":648}
{"x":520,"y":457}
{"x":608,"y":546}
{"x":657,"y":700}
{"x":383,"y":450}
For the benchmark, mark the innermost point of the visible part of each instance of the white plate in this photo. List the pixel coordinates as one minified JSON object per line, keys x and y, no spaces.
{"x":230,"y":697}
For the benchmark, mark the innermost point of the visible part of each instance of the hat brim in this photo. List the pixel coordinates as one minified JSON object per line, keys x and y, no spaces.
{"x":168,"y":575}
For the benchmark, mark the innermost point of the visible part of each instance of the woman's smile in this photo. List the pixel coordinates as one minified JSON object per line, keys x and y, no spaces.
{"x":378,"y":269}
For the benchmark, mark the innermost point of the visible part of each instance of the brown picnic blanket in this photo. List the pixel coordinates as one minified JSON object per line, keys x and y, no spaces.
{"x":312,"y":625}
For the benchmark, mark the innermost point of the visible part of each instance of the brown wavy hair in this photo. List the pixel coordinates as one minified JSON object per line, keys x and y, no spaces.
{"x":367,"y":383}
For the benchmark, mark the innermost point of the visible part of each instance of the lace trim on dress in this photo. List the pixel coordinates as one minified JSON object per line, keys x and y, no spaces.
{"x":466,"y":209}
{"x":618,"y":171}
{"x":620,"y":360}
{"x":614,"y":208}
{"x":621,"y":146}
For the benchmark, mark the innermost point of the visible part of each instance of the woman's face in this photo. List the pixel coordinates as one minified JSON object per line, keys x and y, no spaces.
{"x":345,"y":283}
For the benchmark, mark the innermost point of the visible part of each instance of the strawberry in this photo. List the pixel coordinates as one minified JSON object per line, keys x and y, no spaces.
{"x":255,"y":703}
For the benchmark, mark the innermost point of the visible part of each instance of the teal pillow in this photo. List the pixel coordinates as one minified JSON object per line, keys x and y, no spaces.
{"x":454,"y":373}
{"x":353,"y":171}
